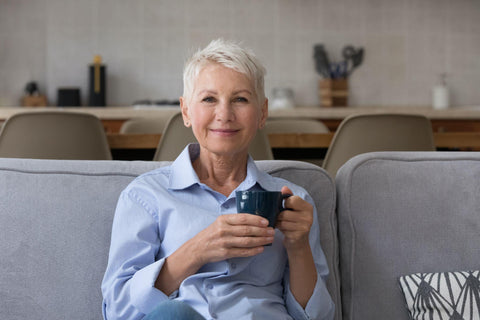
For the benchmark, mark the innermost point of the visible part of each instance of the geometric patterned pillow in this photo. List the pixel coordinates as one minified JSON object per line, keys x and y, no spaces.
{"x":443,"y":295}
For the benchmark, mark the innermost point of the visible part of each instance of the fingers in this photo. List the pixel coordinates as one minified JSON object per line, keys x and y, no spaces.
{"x":286,"y":190}
{"x":234,"y":242}
{"x":296,"y":203}
{"x":295,"y":219}
{"x":294,"y":225}
{"x":245,"y":219}
{"x":245,"y":230}
{"x":295,"y":222}
{"x":251,"y":231}
{"x":244,"y":252}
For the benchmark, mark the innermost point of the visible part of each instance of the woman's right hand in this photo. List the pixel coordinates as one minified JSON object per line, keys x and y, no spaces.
{"x":229,"y":236}
{"x":233,"y":235}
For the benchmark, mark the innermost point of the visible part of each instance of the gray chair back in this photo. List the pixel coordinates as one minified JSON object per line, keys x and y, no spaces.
{"x":54,"y":135}
{"x":152,"y":125}
{"x":295,"y":126}
{"x":401,"y":213}
{"x":378,"y":132}
{"x":176,"y":136}
{"x":281,"y":125}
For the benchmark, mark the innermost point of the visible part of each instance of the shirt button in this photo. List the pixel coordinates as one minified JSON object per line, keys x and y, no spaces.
{"x":209,"y":286}
{"x":233,"y":266}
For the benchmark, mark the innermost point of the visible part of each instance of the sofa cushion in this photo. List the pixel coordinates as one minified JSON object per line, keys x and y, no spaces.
{"x":401,"y":213}
{"x":442,"y":295}
{"x":55,"y":224}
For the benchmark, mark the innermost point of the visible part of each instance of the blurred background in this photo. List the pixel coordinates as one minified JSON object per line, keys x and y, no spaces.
{"x":408,"y":44}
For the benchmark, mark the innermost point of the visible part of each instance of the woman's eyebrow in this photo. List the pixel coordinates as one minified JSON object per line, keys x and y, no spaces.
{"x":242,"y":91}
{"x":205,"y":91}
{"x":211,"y":91}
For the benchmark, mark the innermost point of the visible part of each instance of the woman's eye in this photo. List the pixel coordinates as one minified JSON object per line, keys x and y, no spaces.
{"x":208,"y":99}
{"x":241,"y":99}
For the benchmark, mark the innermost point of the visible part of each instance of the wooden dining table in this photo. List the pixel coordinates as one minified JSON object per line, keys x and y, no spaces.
{"x":456,"y":128}
{"x":448,"y":140}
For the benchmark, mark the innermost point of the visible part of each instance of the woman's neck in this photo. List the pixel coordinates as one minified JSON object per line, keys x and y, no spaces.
{"x":221,"y":173}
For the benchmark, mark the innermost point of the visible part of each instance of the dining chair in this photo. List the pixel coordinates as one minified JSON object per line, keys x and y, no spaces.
{"x":278,"y":126}
{"x":176,"y":136}
{"x":151,"y":125}
{"x":54,"y":135}
{"x":295,"y":126}
{"x":364,"y":133}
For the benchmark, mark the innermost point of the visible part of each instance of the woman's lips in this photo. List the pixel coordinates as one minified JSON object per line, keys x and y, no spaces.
{"x":225,"y":132}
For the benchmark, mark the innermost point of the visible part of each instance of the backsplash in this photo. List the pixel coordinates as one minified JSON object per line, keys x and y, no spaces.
{"x":408,"y":44}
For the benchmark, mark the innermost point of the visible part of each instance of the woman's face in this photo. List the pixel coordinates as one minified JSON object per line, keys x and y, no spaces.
{"x":223,"y":110}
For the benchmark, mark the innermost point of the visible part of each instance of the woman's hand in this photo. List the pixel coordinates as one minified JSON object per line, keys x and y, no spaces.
{"x":233,"y":235}
{"x":229,"y":236}
{"x":295,"y":221}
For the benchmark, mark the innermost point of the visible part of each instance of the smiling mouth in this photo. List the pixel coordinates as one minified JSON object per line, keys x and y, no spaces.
{"x":225,"y":131}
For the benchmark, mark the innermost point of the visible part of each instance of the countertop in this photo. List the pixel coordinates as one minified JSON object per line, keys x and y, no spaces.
{"x":127,"y":112}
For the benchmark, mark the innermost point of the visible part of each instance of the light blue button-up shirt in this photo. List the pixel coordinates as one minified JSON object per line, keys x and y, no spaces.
{"x":162,"y":209}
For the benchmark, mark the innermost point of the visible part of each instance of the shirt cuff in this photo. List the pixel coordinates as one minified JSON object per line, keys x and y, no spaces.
{"x":320,"y":306}
{"x":145,"y":297}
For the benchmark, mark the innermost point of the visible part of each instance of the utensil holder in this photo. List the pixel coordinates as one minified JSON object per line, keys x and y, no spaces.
{"x":35,"y":101}
{"x":333,"y":92}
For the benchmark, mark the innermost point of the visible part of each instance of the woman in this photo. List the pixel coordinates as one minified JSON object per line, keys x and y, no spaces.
{"x":178,"y":244}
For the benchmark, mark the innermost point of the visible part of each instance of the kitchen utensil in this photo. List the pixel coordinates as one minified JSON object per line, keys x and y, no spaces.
{"x":339,"y":70}
{"x":348,"y":52}
{"x":322,"y":63}
{"x":352,"y":57}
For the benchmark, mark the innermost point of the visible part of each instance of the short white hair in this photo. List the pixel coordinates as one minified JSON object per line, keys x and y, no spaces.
{"x":230,"y":55}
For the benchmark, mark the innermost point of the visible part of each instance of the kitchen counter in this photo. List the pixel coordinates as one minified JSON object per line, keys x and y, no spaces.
{"x":451,"y":119}
{"x":127,"y":112}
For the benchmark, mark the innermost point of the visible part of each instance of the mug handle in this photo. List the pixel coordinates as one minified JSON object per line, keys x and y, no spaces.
{"x":284,"y":196}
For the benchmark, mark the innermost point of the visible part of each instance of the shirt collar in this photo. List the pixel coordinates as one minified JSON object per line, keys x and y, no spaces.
{"x":183,"y":175}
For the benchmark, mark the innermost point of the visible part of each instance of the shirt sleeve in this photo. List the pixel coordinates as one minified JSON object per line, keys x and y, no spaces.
{"x":320,"y":306}
{"x":128,"y":285}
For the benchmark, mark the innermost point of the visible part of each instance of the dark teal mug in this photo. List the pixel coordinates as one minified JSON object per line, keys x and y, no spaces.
{"x":267,"y":204}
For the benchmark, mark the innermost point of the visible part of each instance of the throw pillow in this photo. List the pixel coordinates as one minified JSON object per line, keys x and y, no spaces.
{"x":442,"y":295}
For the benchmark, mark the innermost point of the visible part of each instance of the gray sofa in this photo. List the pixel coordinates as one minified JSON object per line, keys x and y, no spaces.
{"x":389,"y":214}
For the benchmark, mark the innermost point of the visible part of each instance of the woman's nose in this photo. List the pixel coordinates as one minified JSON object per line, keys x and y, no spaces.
{"x":225,"y":111}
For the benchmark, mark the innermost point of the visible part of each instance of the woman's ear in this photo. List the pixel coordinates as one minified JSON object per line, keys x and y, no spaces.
{"x":263,"y":114}
{"x":185,"y":113}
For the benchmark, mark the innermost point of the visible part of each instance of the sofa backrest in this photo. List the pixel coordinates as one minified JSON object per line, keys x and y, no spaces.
{"x":322,"y":189}
{"x":401,"y":213}
{"x":55,"y":223}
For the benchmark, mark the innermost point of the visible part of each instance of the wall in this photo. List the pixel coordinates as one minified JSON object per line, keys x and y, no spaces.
{"x":408,"y":44}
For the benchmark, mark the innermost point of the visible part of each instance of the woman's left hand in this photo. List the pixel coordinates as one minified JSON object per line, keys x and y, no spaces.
{"x":295,"y":221}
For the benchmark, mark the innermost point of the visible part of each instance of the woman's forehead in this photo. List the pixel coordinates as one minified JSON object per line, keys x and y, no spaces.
{"x":215,"y":76}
